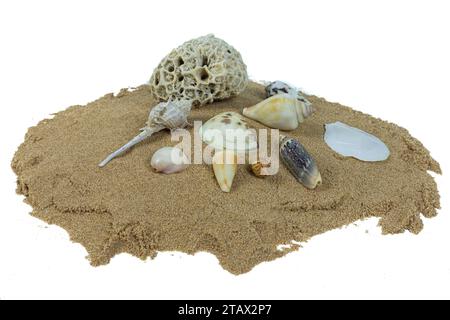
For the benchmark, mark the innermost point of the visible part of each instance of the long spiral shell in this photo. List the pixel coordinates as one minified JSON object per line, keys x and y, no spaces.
{"x":170,"y":115}
{"x":166,"y":115}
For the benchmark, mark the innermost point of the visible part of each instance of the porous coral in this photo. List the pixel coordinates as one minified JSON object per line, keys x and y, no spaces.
{"x":203,"y":70}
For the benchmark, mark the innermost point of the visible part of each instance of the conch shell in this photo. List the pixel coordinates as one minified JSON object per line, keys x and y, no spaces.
{"x":224,"y":164}
{"x":166,"y":115}
{"x":300,"y":163}
{"x":281,"y":111}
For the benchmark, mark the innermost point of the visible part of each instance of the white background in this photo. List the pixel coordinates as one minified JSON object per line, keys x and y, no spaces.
{"x":386,"y":58}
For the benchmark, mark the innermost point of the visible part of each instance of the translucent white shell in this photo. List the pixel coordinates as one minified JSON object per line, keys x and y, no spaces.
{"x":169,"y":160}
{"x":353,"y":142}
{"x":228,"y":130}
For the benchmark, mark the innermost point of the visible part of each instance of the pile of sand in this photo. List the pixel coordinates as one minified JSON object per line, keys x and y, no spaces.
{"x":125,"y":207}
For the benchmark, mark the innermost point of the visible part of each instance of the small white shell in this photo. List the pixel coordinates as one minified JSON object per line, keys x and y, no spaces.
{"x":229,"y":130}
{"x":169,"y":160}
{"x":353,"y":142}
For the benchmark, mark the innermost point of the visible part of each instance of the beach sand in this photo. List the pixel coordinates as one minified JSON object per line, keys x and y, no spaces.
{"x":126,"y":207}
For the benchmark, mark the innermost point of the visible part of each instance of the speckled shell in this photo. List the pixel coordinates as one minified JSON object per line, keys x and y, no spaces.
{"x":300,"y":163}
{"x":221,"y":130}
{"x":277,"y":87}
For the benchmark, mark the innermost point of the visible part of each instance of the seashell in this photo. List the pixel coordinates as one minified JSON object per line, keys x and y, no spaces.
{"x":299,"y":162}
{"x":277,"y":87}
{"x":257,"y":168}
{"x":229,"y":130}
{"x":171,"y":115}
{"x":225,"y":166}
{"x":166,"y":115}
{"x":281,"y":111}
{"x":169,"y":160}
{"x":353,"y":142}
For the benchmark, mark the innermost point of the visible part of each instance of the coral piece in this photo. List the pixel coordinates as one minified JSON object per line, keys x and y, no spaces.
{"x":204,"y":70}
